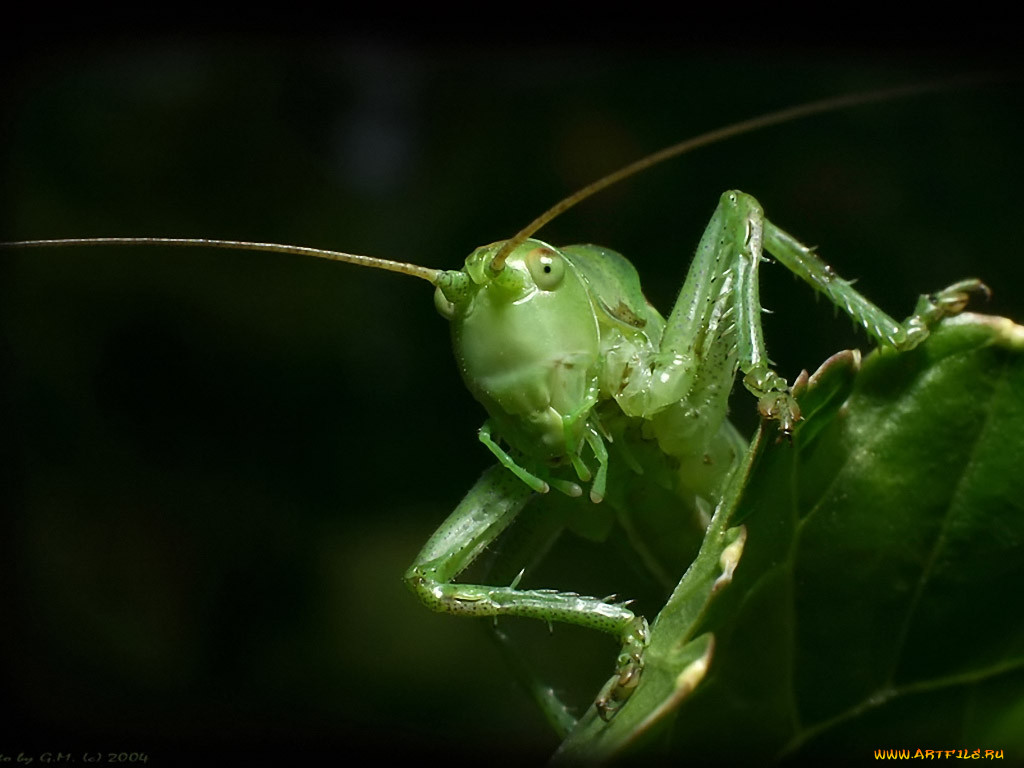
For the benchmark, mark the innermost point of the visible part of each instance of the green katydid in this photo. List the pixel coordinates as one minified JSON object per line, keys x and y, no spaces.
{"x":604,"y":372}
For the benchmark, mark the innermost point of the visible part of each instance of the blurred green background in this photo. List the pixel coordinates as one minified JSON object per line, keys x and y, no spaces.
{"x":217,"y":466}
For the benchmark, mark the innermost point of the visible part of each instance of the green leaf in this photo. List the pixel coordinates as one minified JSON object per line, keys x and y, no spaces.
{"x":876,"y":598}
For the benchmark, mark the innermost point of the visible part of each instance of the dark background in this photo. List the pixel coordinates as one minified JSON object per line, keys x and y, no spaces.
{"x":217,"y":466}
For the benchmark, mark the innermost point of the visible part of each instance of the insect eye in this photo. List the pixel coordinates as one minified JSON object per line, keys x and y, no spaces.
{"x":546,"y":268}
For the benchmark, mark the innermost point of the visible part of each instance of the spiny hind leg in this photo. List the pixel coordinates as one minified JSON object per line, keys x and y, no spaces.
{"x":715,"y":328}
{"x":774,"y":398}
{"x":486,"y":511}
{"x":930,"y":309}
{"x":746,"y":222}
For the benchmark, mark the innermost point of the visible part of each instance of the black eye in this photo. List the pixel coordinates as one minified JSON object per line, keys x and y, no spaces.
{"x":546,"y":268}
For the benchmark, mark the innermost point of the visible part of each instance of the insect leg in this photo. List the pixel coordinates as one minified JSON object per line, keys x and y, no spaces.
{"x":718,"y":315}
{"x":930,"y":309}
{"x":487,"y":510}
{"x":714,"y":328}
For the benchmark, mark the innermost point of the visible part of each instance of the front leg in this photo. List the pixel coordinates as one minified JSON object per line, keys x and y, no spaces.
{"x":715,"y":325}
{"x":930,"y":309}
{"x":487,"y":510}
{"x":775,"y":400}
{"x":713,"y":329}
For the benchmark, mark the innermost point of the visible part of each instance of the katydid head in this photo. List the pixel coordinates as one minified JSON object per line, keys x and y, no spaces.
{"x":525,"y":334}
{"x":527,"y":343}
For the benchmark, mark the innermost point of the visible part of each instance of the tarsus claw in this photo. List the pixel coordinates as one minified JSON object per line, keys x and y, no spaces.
{"x":621,"y":685}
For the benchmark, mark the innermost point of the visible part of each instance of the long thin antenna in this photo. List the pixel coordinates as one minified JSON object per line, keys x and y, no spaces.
{"x":789,"y":114}
{"x":424,"y":273}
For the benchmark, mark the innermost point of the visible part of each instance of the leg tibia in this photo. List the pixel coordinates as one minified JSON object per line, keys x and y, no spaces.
{"x":715,"y":325}
{"x":488,"y":509}
{"x":548,"y":605}
{"x":930,"y":309}
{"x":543,"y":604}
{"x":806,"y":264}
